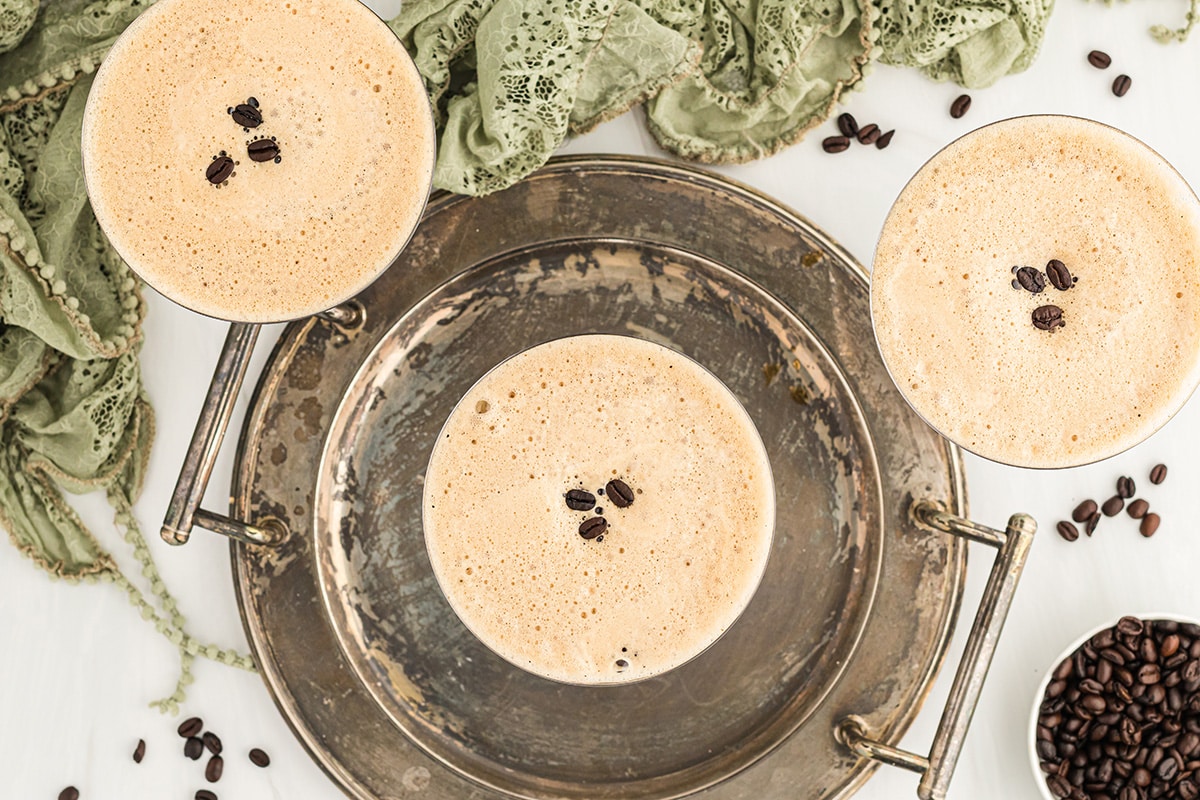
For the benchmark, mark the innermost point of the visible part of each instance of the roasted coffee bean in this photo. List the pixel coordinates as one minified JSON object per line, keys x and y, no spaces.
{"x":205,"y":794}
{"x":1148,"y":651}
{"x":1059,"y":786}
{"x":190,"y":727}
{"x":960,"y":106}
{"x":867,"y":134}
{"x":1047,"y":318}
{"x":1121,"y":85}
{"x":262,"y":150}
{"x":592,"y":527}
{"x":1112,"y":506}
{"x":847,"y":125}
{"x":1091,"y":686}
{"x":1158,"y":474}
{"x":1149,"y":674}
{"x":69,"y":793}
{"x":212,"y":742}
{"x":1138,"y":508}
{"x":1083,"y":512}
{"x":835,"y":144}
{"x":1031,"y":280}
{"x":1099,"y":59}
{"x":193,"y":747}
{"x":212,"y":773}
{"x":259,"y":758}
{"x":1169,"y":645}
{"x":1126,"y":488}
{"x":1093,"y":703}
{"x":246,"y":115}
{"x":1059,"y":275}
{"x":1167,"y":769}
{"x":1187,"y":790}
{"x":1092,"y":522}
{"x":1130,"y":626}
{"x":1067,"y":531}
{"x":1047,"y":751}
{"x":885,"y":139}
{"x":139,"y":752}
{"x":1149,"y":525}
{"x":579,"y":500}
{"x":219,"y":170}
{"x":619,"y":493}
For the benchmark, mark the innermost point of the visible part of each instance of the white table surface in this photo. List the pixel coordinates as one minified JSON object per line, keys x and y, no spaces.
{"x":78,"y":665}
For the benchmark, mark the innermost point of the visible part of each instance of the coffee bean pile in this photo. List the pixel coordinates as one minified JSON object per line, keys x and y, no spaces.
{"x":619,"y":494}
{"x":1088,"y":512}
{"x":1120,"y":717}
{"x":196,"y":741}
{"x":1102,"y":60}
{"x":867,"y":134}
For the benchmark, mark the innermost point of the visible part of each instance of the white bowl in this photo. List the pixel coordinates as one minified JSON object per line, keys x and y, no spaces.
{"x":1031,"y":734}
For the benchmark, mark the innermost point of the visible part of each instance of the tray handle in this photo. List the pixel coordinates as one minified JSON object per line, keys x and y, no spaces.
{"x":183,"y":511}
{"x":937,"y":768}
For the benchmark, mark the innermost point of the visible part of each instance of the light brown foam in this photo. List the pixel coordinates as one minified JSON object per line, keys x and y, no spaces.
{"x":277,"y":241}
{"x":958,"y":339}
{"x":675,"y":568}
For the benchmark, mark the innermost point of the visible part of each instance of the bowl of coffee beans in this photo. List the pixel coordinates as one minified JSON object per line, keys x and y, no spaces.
{"x":1118,"y":715}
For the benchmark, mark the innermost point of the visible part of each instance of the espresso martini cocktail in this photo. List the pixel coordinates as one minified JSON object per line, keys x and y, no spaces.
{"x":1036,"y":291}
{"x":257,"y":160}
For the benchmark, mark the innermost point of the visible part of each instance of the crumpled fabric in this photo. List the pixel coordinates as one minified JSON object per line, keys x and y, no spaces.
{"x":722,"y":81}
{"x":73,"y":414}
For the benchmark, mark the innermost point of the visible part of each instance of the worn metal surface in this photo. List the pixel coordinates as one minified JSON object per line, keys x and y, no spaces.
{"x":854,"y":614}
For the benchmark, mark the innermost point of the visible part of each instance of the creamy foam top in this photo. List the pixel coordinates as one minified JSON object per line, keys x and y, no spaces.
{"x":674,"y":569}
{"x":958,"y":338}
{"x":276,"y":241}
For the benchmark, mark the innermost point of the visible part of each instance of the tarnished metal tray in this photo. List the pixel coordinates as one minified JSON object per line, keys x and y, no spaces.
{"x":829,"y":664}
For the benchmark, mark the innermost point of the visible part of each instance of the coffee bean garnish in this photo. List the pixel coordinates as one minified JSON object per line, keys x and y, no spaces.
{"x":1126,"y":487}
{"x":263,"y":150}
{"x":579,"y":500}
{"x":1149,"y":525}
{"x":592,"y":527}
{"x":1047,"y":318}
{"x":960,"y":106}
{"x":835,"y":144}
{"x":205,"y":794}
{"x":190,"y":727}
{"x":847,"y":125}
{"x":1158,"y":474}
{"x":1099,"y":59}
{"x":867,"y":134}
{"x":259,"y":758}
{"x":1113,"y":505}
{"x":212,"y":773}
{"x":212,"y":742}
{"x":1059,"y":275}
{"x":219,"y":169}
{"x":1067,"y":531}
{"x":885,"y":139}
{"x":1092,"y":522}
{"x":1084,"y":510}
{"x":1031,"y":280}
{"x":1138,"y":508}
{"x":69,"y":793}
{"x":1121,"y":85}
{"x":246,"y":115}
{"x":193,"y":748}
{"x":619,"y":493}
{"x":139,"y":752}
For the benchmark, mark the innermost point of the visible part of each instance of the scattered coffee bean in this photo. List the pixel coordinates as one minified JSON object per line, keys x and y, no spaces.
{"x":212,"y":742}
{"x":1149,"y":525}
{"x":1084,"y":511}
{"x":1067,"y":531}
{"x":193,"y":747}
{"x":190,"y":727}
{"x":847,"y":125}
{"x":246,"y":115}
{"x":69,"y":793}
{"x":867,"y":134}
{"x":205,"y":794}
{"x":580,"y":500}
{"x":139,"y":752}
{"x":219,"y":170}
{"x":592,"y":527}
{"x":835,"y":144}
{"x":259,"y":758}
{"x":1121,"y":85}
{"x":263,"y":150}
{"x":1138,"y":508}
{"x":212,"y":773}
{"x":1099,"y":59}
{"x":1059,"y":275}
{"x":960,"y":106}
{"x":1092,"y":522}
{"x":1047,"y":318}
{"x":619,"y":493}
{"x":1158,"y":474}
{"x":885,"y":139}
{"x":1113,"y":505}
{"x":1126,"y":488}
{"x":1031,"y":280}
